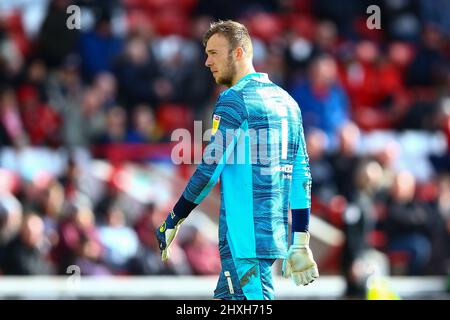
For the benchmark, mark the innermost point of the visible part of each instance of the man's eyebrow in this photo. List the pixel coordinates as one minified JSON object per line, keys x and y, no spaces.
{"x":211,"y":50}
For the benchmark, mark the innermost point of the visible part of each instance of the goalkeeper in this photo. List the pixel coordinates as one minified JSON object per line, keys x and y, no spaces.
{"x":257,"y":149}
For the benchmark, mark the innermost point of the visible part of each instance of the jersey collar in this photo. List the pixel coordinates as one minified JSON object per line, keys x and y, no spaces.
{"x":258,"y":76}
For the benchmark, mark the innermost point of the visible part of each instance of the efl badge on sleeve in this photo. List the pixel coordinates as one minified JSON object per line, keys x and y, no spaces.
{"x":215,"y":124}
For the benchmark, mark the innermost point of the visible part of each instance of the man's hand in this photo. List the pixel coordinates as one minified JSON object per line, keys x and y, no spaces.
{"x":299,"y":263}
{"x":166,"y":233}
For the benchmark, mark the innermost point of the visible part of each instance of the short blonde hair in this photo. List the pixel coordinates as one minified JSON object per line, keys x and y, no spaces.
{"x":235,"y":32}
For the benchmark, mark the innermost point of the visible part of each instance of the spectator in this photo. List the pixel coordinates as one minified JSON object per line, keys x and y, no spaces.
{"x":148,"y":260}
{"x":444,"y":208}
{"x":202,"y":255}
{"x":116,"y":127}
{"x":407,"y":224}
{"x":144,"y":127}
{"x":105,"y":84}
{"x":12,"y":60}
{"x":10,"y":207}
{"x":12,"y":132}
{"x":119,"y":240}
{"x":55,"y":40}
{"x":137,"y":72}
{"x":361,"y":78}
{"x":90,"y":258}
{"x":70,"y":179}
{"x":426,"y":67}
{"x":388,"y":156}
{"x":322,"y":171}
{"x":434,"y":13}
{"x":12,"y":216}
{"x":98,"y":48}
{"x":34,"y":75}
{"x":93,"y":117}
{"x":23,"y":255}
{"x":326,"y":38}
{"x":174,"y":65}
{"x":323,"y":101}
{"x":67,"y":95}
{"x":440,"y":224}
{"x":359,"y":222}
{"x":340,"y":13}
{"x":76,"y":231}
{"x":345,"y":159}
{"x":40,"y":121}
{"x":52,"y":208}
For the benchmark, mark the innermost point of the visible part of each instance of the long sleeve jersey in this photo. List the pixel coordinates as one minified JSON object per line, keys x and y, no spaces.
{"x":258,"y":152}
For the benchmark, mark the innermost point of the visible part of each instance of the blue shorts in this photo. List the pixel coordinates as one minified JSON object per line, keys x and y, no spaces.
{"x":244,"y":279}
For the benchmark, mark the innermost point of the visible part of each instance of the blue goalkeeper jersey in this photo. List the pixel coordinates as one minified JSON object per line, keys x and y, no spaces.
{"x":258,"y":152}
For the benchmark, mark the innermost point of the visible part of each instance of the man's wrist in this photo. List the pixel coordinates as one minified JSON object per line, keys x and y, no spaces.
{"x":183,"y":207}
{"x":172,"y":220}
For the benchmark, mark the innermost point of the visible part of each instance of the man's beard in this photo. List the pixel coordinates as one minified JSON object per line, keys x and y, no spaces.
{"x":228,"y":75}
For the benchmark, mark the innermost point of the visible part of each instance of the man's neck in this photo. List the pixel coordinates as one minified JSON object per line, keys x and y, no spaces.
{"x":247,"y":69}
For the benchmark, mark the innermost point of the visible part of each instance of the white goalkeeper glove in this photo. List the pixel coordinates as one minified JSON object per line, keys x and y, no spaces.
{"x":299,"y":263}
{"x":166,"y":233}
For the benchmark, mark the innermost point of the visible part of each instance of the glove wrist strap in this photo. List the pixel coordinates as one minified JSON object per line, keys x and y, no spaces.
{"x":300,"y":238}
{"x":173,"y":220}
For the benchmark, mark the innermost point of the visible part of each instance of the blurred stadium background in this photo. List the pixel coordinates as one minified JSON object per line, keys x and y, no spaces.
{"x":86,"y":117}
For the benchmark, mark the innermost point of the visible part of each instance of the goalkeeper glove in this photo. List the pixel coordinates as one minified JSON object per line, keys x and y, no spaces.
{"x":167,"y":232}
{"x":299,"y":263}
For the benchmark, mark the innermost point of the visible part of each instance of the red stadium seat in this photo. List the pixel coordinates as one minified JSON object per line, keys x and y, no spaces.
{"x":303,"y":25}
{"x":398,"y":262}
{"x":174,"y":116}
{"x":265,"y":26}
{"x":15,"y":29}
{"x":139,"y":20}
{"x":171,"y":21}
{"x":377,"y":239}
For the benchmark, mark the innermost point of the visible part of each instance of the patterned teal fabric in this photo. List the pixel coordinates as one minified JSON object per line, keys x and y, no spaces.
{"x":259,"y":155}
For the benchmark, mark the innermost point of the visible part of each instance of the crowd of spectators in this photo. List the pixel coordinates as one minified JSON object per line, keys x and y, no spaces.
{"x":134,"y":71}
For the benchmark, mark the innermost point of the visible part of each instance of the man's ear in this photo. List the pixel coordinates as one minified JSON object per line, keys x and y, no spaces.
{"x":239,"y":53}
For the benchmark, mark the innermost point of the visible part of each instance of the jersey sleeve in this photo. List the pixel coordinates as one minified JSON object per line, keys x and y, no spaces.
{"x":300,"y":195}
{"x":228,"y":117}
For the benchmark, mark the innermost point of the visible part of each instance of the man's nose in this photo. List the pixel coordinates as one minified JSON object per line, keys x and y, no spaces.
{"x":208,"y":62}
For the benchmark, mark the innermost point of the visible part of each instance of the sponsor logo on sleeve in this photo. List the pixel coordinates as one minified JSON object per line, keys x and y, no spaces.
{"x":215,"y":124}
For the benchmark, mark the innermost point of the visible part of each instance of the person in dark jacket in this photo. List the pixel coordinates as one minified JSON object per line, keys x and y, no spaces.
{"x":24,"y":254}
